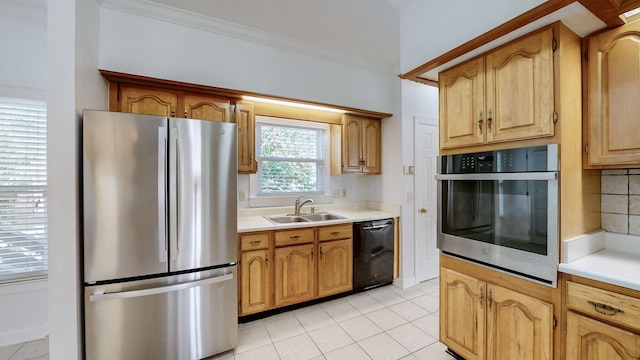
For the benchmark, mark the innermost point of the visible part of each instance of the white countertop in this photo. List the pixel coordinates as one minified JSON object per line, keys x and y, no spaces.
{"x":253,"y":219}
{"x":607,"y":257}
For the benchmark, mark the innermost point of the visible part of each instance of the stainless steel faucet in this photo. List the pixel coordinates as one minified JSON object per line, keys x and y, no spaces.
{"x":300,"y":204}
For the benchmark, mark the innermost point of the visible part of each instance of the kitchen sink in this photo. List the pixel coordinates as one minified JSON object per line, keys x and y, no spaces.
{"x":322,"y":217}
{"x":287,"y":219}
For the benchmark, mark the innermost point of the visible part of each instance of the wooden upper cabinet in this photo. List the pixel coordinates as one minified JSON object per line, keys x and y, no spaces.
{"x":518,"y":326}
{"x":143,"y":100}
{"x":462,"y":105}
{"x":519,"y":81}
{"x":612,"y":93}
{"x":204,"y":107}
{"x":246,"y":121}
{"x":462,"y":314}
{"x":361,"y":145}
{"x":504,"y":95}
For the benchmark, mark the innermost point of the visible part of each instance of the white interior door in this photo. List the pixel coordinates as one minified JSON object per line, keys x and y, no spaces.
{"x":426,"y":152}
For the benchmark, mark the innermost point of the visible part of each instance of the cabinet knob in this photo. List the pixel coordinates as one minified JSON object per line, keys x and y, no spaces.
{"x":480,"y":122}
{"x":489,"y":118}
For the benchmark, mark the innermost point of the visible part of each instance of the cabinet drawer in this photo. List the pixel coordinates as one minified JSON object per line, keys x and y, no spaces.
{"x":603,"y":304}
{"x":335,"y":232}
{"x":254,"y":241}
{"x":294,"y":237}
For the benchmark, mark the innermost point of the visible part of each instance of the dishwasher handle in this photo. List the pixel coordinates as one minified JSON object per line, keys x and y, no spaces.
{"x":376,"y":227}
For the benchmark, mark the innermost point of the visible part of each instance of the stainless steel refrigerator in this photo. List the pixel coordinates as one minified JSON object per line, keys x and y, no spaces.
{"x":160,"y":236}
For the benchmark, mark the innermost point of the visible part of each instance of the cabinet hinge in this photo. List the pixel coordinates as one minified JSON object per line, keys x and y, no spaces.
{"x":555,"y":322}
{"x":555,"y":117}
{"x":564,"y":328}
{"x":554,"y":44}
{"x":586,"y":55}
{"x":586,"y":149}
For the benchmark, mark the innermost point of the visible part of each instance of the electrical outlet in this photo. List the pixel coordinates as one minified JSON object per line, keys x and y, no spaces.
{"x":335,"y":193}
{"x":242,"y":196}
{"x":344,"y":192}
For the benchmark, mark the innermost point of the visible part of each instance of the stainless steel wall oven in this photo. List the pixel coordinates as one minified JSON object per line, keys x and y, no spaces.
{"x":500,"y":209}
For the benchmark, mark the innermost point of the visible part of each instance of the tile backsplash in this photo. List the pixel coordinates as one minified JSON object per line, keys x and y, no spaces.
{"x":620,"y":203}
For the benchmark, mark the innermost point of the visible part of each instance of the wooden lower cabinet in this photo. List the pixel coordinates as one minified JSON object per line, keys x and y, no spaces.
{"x":462,"y":314}
{"x":481,"y":320}
{"x":290,"y":266}
{"x":518,"y":326}
{"x":335,"y":267}
{"x":589,"y":339}
{"x":295,"y":274}
{"x":256,"y":281}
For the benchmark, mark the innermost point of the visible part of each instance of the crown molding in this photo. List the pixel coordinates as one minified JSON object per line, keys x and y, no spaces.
{"x":197,"y":21}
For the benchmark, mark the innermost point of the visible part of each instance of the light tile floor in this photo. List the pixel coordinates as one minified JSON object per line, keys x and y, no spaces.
{"x":387,"y":323}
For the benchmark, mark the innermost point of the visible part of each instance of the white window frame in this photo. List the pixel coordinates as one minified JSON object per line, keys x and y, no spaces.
{"x":263,"y":200}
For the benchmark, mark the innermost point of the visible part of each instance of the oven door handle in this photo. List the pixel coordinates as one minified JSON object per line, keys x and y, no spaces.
{"x":551,"y":175}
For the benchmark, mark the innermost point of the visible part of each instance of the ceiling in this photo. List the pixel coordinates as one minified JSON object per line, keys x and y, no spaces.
{"x":362,"y":29}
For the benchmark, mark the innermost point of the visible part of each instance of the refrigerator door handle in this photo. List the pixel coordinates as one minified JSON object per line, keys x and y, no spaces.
{"x":174,"y":196}
{"x":99,"y":296}
{"x":162,"y":194}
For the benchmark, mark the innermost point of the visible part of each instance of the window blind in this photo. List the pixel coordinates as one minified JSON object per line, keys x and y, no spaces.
{"x":23,"y":189}
{"x":290,"y":158}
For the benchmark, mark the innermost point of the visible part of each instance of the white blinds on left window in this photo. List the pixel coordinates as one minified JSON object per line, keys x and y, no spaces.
{"x":23,"y":189}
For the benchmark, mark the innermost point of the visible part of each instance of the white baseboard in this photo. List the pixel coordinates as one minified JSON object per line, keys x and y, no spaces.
{"x":23,"y":335}
{"x":404,"y":283}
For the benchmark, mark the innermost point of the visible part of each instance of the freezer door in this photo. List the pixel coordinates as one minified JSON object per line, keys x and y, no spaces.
{"x":124,"y":165}
{"x":202,"y":187}
{"x":191,"y":316}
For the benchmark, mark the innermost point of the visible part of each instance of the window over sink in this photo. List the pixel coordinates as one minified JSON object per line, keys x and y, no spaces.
{"x":293,"y":160}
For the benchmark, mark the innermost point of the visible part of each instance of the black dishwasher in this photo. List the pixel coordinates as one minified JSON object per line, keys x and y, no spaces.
{"x":373,"y":250}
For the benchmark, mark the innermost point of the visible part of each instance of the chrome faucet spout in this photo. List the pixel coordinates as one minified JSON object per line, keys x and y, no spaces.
{"x":299,"y":204}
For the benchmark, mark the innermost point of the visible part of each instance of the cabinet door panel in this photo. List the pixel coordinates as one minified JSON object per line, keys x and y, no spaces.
{"x":140,"y":100}
{"x":371,"y":143}
{"x":206,"y":108}
{"x":256,"y":282}
{"x":589,"y":339}
{"x":351,"y":145}
{"x":518,"y":326}
{"x":614,"y":97}
{"x":462,"y":314}
{"x":295,"y":274}
{"x":335,"y":267}
{"x":245,"y":119}
{"x":520,"y":89}
{"x":462,"y":116}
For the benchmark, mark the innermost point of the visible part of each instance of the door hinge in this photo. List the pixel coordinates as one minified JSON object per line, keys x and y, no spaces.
{"x":555,"y":117}
{"x":564,"y":328}
{"x":554,"y":44}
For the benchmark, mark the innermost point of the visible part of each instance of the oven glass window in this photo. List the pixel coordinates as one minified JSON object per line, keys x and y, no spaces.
{"x":509,"y":213}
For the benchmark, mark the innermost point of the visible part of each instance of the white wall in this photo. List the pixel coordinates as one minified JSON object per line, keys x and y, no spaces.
{"x":142,"y":45}
{"x":73,"y":84}
{"x":23,"y":36}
